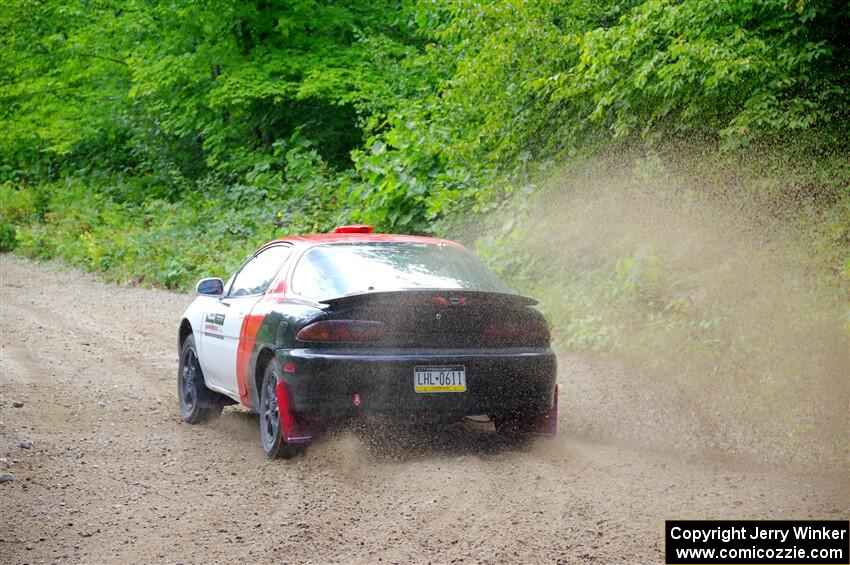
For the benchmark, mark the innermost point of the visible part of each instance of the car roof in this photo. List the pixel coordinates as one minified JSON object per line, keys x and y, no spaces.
{"x":322,"y":238}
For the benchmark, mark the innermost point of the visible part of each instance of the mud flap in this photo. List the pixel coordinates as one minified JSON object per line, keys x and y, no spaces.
{"x":292,"y":428}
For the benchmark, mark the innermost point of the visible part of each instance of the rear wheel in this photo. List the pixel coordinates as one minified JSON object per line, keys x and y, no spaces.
{"x":271,"y":436}
{"x":191,"y":390}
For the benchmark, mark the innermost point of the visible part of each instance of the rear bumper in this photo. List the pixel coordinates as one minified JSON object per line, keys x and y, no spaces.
{"x":328,"y":385}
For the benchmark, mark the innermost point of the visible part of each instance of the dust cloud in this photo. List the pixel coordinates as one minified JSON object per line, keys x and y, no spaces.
{"x":696,"y":309}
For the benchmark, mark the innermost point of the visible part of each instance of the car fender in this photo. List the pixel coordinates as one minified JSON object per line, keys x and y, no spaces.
{"x":194,"y":315}
{"x":269,"y":326}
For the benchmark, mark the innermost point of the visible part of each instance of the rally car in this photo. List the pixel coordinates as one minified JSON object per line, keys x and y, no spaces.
{"x":312,"y":331}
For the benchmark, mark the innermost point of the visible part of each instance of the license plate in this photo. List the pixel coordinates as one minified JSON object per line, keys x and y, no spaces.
{"x":439,"y":379}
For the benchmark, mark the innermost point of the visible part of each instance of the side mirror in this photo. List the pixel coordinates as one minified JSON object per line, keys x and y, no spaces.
{"x":210,"y":287}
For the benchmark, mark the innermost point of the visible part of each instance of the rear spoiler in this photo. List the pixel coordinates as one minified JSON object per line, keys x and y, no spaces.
{"x":441,"y":297}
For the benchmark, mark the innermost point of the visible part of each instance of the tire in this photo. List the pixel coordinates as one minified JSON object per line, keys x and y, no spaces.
{"x":193,"y":396}
{"x":271,"y":436}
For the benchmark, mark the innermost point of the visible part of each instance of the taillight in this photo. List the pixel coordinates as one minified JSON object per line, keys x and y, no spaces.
{"x":518,"y":331}
{"x":343,"y":331}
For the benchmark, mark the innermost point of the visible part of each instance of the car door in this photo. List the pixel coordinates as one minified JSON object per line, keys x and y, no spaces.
{"x":223,"y":318}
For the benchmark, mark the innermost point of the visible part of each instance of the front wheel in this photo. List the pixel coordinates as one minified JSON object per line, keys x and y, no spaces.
{"x":271,"y":436}
{"x":191,"y":390}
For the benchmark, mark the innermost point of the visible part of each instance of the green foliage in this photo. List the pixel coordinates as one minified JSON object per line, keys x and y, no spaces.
{"x":241,"y":76}
{"x":737,"y":69}
{"x":138,"y":139}
{"x":405,"y":180}
{"x":516,"y":84}
{"x":8,"y":238}
{"x":170,"y":244}
{"x":17,"y":207}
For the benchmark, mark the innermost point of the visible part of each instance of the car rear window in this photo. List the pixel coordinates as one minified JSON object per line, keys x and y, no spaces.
{"x":334,"y":270}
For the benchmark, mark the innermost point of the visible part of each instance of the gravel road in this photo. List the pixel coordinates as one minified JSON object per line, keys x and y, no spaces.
{"x":105,"y":472}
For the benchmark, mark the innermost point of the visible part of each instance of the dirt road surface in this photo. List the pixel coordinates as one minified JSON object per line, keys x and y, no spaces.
{"x":105,"y":472}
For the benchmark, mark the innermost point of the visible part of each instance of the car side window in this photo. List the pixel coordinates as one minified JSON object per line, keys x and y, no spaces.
{"x":257,"y":274}
{"x":314,"y":277}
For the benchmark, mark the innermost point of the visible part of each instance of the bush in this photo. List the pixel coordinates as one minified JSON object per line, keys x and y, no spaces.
{"x":8,"y":238}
